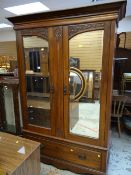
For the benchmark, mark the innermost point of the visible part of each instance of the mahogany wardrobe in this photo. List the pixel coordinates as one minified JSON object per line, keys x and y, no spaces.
{"x":65,"y":62}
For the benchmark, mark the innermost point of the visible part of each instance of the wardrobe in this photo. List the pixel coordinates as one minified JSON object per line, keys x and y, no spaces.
{"x":72,"y":53}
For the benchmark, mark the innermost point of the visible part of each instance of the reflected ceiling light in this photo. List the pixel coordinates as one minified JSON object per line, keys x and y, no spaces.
{"x":95,"y":0}
{"x":27,"y":8}
{"x":73,"y":74}
{"x":117,"y":59}
{"x":3,"y":25}
{"x":80,"y":45}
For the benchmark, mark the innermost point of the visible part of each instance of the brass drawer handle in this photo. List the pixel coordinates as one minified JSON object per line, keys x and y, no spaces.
{"x":71,"y":150}
{"x":98,"y":155}
{"x":82,"y":157}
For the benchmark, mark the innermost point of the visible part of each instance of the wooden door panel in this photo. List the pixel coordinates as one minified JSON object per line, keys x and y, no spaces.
{"x":73,"y":110}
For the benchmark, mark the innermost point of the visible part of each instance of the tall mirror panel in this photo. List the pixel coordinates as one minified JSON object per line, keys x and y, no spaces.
{"x":37,"y":77}
{"x":85,"y":60}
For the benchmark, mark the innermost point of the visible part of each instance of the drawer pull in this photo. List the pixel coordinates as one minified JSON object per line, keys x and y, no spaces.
{"x":82,"y":157}
{"x":71,"y":150}
{"x":99,"y":155}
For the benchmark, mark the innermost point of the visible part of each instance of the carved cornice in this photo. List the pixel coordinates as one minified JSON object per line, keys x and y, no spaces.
{"x":79,"y":28}
{"x":40,"y":32}
{"x":58,"y":32}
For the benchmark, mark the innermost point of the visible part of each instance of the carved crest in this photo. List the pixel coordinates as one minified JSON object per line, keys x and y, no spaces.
{"x":40,"y":32}
{"x":79,"y":28}
{"x":58,"y":32}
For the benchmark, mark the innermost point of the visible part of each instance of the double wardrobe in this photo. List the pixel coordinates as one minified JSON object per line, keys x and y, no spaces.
{"x":65,"y":62}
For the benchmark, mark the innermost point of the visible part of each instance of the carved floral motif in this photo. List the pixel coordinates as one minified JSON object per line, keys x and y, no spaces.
{"x":76,"y":29}
{"x":40,"y":32}
{"x":58,"y":32}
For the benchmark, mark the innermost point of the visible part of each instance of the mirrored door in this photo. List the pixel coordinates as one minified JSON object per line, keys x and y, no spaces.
{"x":37,"y":75}
{"x":83,"y":80}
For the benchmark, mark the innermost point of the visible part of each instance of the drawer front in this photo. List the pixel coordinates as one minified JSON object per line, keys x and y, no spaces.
{"x":85,"y":157}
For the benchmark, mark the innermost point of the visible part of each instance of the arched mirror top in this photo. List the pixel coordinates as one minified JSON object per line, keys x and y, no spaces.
{"x":34,"y":42}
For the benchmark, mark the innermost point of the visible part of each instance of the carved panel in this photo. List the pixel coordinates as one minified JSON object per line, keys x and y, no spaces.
{"x":40,"y":32}
{"x":58,"y":32}
{"x":79,"y":28}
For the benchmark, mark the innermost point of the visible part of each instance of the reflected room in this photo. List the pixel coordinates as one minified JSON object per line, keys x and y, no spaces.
{"x":85,"y":58}
{"x":37,"y":80}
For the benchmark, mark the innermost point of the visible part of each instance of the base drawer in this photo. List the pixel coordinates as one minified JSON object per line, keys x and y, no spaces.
{"x":84,"y":157}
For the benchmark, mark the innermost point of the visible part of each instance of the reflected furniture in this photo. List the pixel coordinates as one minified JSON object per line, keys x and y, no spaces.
{"x":118,"y":108}
{"x":97,"y":80}
{"x":89,"y":92}
{"x":127,"y":123}
{"x":18,"y":155}
{"x":8,"y":86}
{"x":8,"y":62}
{"x":122,"y":60}
{"x":77,"y":83}
{"x":37,"y":83}
{"x":126,"y":78}
{"x":81,"y":146}
{"x":74,"y":62}
{"x":118,"y":73}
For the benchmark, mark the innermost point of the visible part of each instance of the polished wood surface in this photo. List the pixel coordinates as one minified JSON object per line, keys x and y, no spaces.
{"x":19,"y":156}
{"x":76,"y":153}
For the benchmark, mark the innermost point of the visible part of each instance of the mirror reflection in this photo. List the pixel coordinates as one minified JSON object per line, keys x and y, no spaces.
{"x":36,"y":52}
{"x":85,"y":56}
{"x":77,"y":83}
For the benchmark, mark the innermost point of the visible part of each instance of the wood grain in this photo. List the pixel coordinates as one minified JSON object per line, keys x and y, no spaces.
{"x":15,"y":163}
